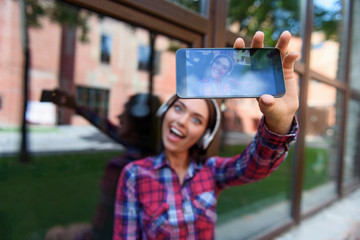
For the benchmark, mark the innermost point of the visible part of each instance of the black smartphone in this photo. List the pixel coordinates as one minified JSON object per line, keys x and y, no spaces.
{"x":229,"y":72}
{"x":47,"y":96}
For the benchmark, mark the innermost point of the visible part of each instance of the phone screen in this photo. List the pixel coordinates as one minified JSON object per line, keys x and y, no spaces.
{"x":229,"y":72}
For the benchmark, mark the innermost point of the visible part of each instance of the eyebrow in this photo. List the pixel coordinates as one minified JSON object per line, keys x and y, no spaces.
{"x":197,"y":114}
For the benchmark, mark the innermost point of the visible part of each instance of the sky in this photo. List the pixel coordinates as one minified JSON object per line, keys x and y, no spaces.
{"x":328,"y":4}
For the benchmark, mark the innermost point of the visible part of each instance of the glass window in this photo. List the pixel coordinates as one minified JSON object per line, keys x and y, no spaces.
{"x":326,"y":39}
{"x":256,"y":207}
{"x":60,"y":185}
{"x":105,"y":48}
{"x":198,"y":6}
{"x":144,"y":58}
{"x":321,"y":144}
{"x":97,"y":100}
{"x":271,"y":17}
{"x":355,"y":47}
{"x":352,"y":144}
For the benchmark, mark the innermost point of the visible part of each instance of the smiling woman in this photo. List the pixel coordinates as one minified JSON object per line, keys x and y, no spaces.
{"x":173,"y":195}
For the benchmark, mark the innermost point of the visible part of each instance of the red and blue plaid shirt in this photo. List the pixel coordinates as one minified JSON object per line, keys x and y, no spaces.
{"x":151,"y":204}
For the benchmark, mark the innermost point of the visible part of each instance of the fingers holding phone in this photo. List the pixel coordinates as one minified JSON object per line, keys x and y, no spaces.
{"x":279,"y":113}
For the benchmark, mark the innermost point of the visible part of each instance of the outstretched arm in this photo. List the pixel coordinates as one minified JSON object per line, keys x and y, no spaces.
{"x":64,"y":99}
{"x":276,"y":131}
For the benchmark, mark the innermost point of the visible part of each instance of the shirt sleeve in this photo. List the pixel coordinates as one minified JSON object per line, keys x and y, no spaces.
{"x":126,"y":219}
{"x":261,"y":157}
{"x":102,"y":123}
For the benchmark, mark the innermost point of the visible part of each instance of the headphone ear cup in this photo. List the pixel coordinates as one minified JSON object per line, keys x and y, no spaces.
{"x":205,"y":140}
{"x":162,"y":109}
{"x":165,"y":106}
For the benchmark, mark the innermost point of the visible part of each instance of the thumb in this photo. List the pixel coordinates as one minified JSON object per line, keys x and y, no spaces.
{"x":266,"y":103}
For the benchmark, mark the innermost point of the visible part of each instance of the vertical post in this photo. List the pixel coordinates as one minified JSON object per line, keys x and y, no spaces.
{"x":151,"y":61}
{"x":67,"y":68}
{"x":24,"y":154}
{"x":299,"y":156}
{"x":219,"y":23}
{"x":347,"y":35}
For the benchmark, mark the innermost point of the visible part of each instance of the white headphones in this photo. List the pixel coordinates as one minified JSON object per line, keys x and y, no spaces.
{"x":209,"y":133}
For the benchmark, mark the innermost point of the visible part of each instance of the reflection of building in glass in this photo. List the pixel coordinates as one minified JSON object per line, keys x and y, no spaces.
{"x":94,"y":99}
{"x":114,"y":60}
{"x":124,"y":57}
{"x":144,"y":58}
{"x":105,"y":48}
{"x":327,"y":51}
{"x":321,"y":108}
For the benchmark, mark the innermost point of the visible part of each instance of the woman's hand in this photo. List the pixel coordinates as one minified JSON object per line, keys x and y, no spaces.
{"x":279,"y":112}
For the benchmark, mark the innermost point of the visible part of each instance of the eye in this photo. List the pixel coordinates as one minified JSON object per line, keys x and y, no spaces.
{"x":196,"y":120}
{"x":178,"y":108}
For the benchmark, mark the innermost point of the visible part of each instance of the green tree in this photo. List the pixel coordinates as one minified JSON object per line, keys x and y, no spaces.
{"x":327,"y":19}
{"x":59,"y":12}
{"x":273,"y":17}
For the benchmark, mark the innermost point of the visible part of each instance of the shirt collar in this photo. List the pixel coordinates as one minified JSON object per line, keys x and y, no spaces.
{"x":160,"y":161}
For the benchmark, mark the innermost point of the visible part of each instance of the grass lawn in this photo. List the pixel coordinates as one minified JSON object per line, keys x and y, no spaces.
{"x":64,"y":189}
{"x":237,"y":201}
{"x":58,"y":189}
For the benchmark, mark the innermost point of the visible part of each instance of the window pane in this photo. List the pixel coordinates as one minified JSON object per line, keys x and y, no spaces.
{"x":326,"y":39}
{"x":198,"y":6}
{"x":68,"y":155}
{"x":352,"y":144}
{"x":322,"y":144}
{"x":256,"y":207}
{"x":355,"y":47}
{"x":105,"y":48}
{"x":271,"y":17}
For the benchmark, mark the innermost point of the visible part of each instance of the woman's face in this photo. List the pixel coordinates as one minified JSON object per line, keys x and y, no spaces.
{"x":184,"y":123}
{"x":220,"y":67}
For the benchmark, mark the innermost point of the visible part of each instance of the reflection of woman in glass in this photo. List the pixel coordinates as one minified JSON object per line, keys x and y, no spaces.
{"x":217,"y":81}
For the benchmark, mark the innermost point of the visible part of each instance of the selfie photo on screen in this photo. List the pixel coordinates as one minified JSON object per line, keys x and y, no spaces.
{"x":207,"y":73}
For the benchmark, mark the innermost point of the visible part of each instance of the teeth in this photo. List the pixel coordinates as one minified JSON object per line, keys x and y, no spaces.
{"x":177,"y":132}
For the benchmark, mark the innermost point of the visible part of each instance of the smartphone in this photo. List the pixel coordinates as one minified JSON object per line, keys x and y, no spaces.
{"x":229,"y":72}
{"x":47,"y":96}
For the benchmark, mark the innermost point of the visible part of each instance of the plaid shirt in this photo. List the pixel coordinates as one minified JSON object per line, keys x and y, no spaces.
{"x":151,"y":204}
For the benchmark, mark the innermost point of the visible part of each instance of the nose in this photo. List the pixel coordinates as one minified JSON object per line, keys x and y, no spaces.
{"x":183,"y":119}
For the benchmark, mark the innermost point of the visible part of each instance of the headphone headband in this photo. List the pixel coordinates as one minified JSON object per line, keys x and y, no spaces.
{"x":209,"y":134}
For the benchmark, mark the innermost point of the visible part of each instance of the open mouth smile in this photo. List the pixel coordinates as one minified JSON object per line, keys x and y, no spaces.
{"x":176,"y":132}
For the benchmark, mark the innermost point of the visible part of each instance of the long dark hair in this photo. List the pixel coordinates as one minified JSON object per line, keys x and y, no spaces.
{"x":143,"y":123}
{"x":197,"y":152}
